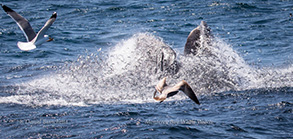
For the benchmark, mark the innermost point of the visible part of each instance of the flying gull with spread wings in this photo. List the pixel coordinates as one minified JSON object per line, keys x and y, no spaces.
{"x":169,"y":91}
{"x":33,"y":39}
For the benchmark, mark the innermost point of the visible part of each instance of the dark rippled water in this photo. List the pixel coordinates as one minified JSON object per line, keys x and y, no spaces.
{"x":93,"y":81}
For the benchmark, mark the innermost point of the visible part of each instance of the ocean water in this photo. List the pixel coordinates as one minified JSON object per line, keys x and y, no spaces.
{"x":96,"y":79}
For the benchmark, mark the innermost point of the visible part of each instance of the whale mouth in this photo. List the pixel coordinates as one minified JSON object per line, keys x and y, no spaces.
{"x":167,"y":60}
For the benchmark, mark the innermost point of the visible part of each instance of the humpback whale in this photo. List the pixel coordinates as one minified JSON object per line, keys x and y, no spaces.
{"x":165,"y":57}
{"x":169,"y":91}
{"x":146,"y":50}
{"x":33,"y":39}
{"x":198,"y":38}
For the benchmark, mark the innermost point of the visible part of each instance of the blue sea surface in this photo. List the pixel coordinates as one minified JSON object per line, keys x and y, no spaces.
{"x":95,"y":81}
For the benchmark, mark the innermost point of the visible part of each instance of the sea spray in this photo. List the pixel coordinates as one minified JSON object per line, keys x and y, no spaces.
{"x":126,"y":74}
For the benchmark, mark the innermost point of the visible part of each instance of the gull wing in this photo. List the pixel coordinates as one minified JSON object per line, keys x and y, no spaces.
{"x":186,"y":89}
{"x":161,"y":85}
{"x":171,"y":91}
{"x":23,"y":24}
{"x":44,"y":29}
{"x":170,"y":94}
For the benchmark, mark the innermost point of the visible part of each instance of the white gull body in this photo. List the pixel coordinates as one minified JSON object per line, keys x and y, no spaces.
{"x":33,"y":39}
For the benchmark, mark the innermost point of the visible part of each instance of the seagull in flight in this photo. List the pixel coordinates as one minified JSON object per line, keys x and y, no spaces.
{"x":169,"y":91}
{"x":33,"y":39}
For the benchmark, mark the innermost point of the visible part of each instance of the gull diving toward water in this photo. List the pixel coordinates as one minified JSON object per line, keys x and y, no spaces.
{"x":33,"y":39}
{"x":169,"y":91}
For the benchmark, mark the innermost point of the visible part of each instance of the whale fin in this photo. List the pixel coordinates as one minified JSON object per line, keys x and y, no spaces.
{"x":195,"y":38}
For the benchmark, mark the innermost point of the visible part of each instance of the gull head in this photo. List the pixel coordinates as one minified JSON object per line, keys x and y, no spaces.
{"x":42,"y":40}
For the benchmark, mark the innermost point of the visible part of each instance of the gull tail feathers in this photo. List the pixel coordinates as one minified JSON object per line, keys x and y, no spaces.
{"x":26,"y":46}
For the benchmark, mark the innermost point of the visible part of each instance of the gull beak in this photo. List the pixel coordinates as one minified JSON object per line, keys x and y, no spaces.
{"x":50,"y":39}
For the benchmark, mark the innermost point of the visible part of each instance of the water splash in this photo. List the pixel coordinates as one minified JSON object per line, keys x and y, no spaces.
{"x":130,"y":70}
